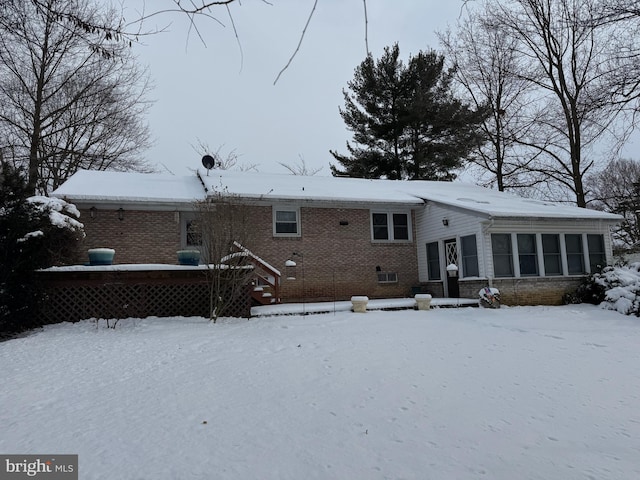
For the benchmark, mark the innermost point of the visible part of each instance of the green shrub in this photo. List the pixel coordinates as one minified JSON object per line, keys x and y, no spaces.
{"x":589,"y":291}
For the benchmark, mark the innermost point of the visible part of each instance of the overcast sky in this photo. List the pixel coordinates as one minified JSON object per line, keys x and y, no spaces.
{"x":225,"y":98}
{"x":222,"y":97}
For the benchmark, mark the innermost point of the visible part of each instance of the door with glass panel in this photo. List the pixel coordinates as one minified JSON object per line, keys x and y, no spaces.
{"x":451,"y":258}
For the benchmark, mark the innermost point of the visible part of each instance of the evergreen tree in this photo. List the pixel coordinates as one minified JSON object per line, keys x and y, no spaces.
{"x":35,"y":232}
{"x":406,"y":122}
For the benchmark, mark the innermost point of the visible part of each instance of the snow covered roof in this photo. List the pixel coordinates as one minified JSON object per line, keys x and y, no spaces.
{"x":496,"y":204}
{"x":490,"y":203}
{"x":95,"y":186}
{"x":129,"y":187}
{"x":278,"y":187}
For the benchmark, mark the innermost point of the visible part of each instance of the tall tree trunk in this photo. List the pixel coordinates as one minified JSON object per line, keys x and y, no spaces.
{"x":34,"y":141}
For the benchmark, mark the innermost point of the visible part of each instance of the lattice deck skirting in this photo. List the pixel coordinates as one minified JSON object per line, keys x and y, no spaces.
{"x":78,"y":295}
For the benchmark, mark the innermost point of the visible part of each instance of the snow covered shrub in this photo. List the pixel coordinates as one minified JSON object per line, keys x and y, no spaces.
{"x":622,"y":285}
{"x":35,"y":232}
{"x":615,"y":288}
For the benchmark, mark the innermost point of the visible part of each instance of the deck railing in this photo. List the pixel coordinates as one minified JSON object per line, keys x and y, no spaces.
{"x":266,"y":288}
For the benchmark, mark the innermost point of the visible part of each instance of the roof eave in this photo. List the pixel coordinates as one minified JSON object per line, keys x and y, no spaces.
{"x":132,"y":204}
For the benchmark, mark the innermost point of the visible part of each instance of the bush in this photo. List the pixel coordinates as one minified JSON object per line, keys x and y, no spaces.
{"x":615,"y":288}
{"x":622,"y":286}
{"x":589,"y":291}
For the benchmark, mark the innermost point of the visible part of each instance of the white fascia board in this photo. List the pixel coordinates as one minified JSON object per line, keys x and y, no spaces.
{"x":153,"y":206}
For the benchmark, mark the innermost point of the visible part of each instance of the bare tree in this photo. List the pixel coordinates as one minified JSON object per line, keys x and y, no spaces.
{"x":488,"y":68}
{"x":225,"y":228}
{"x":616,"y":189}
{"x":129,"y":32}
{"x":64,"y":106}
{"x":228,"y":161}
{"x":573,"y":61}
{"x":301,"y":168}
{"x":616,"y":10}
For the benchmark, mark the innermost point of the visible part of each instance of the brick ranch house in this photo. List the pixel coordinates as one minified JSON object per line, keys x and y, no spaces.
{"x":347,"y":236}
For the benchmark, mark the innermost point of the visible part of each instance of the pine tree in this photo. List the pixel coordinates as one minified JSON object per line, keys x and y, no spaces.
{"x":30,"y":239}
{"x":406,"y":122}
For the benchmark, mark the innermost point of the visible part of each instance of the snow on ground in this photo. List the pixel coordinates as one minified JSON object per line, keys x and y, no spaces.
{"x":467,"y":393}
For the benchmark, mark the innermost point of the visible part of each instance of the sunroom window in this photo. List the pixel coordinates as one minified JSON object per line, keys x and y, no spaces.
{"x":597,"y":255}
{"x":554,"y":246}
{"x":551,"y":254}
{"x":575,"y":255}
{"x":527,"y":254}
{"x":502,"y":254}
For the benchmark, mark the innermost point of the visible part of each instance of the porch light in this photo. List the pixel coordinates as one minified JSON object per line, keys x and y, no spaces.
{"x":93,"y":211}
{"x":452,"y":270}
{"x":445,"y":222}
{"x":121,"y":213}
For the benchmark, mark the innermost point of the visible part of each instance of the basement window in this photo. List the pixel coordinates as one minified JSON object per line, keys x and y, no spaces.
{"x":387,"y":277}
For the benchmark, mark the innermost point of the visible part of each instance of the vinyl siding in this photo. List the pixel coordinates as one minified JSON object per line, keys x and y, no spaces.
{"x":429,"y":228}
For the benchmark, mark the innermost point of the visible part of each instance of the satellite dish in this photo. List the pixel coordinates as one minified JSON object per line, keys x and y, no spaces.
{"x":208,"y":162}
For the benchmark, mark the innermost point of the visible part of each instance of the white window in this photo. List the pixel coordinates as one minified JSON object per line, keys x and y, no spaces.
{"x":575,"y":254}
{"x":571,"y":253}
{"x":387,"y":277}
{"x":286,"y":222}
{"x":552,"y":254}
{"x":191,"y":234}
{"x":469,"y":256}
{"x":502,"y":254}
{"x":433,"y":261}
{"x":527,"y":254}
{"x":390,"y":226}
{"x":597,"y":255}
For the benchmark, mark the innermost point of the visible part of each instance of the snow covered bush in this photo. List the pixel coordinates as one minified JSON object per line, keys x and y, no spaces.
{"x":35,"y":232}
{"x":622,"y":288}
{"x":615,"y":288}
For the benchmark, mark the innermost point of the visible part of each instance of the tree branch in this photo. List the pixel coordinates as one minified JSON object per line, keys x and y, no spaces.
{"x":304,"y":31}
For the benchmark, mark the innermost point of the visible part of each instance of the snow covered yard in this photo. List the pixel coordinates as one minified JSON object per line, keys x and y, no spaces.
{"x":516,"y":393}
